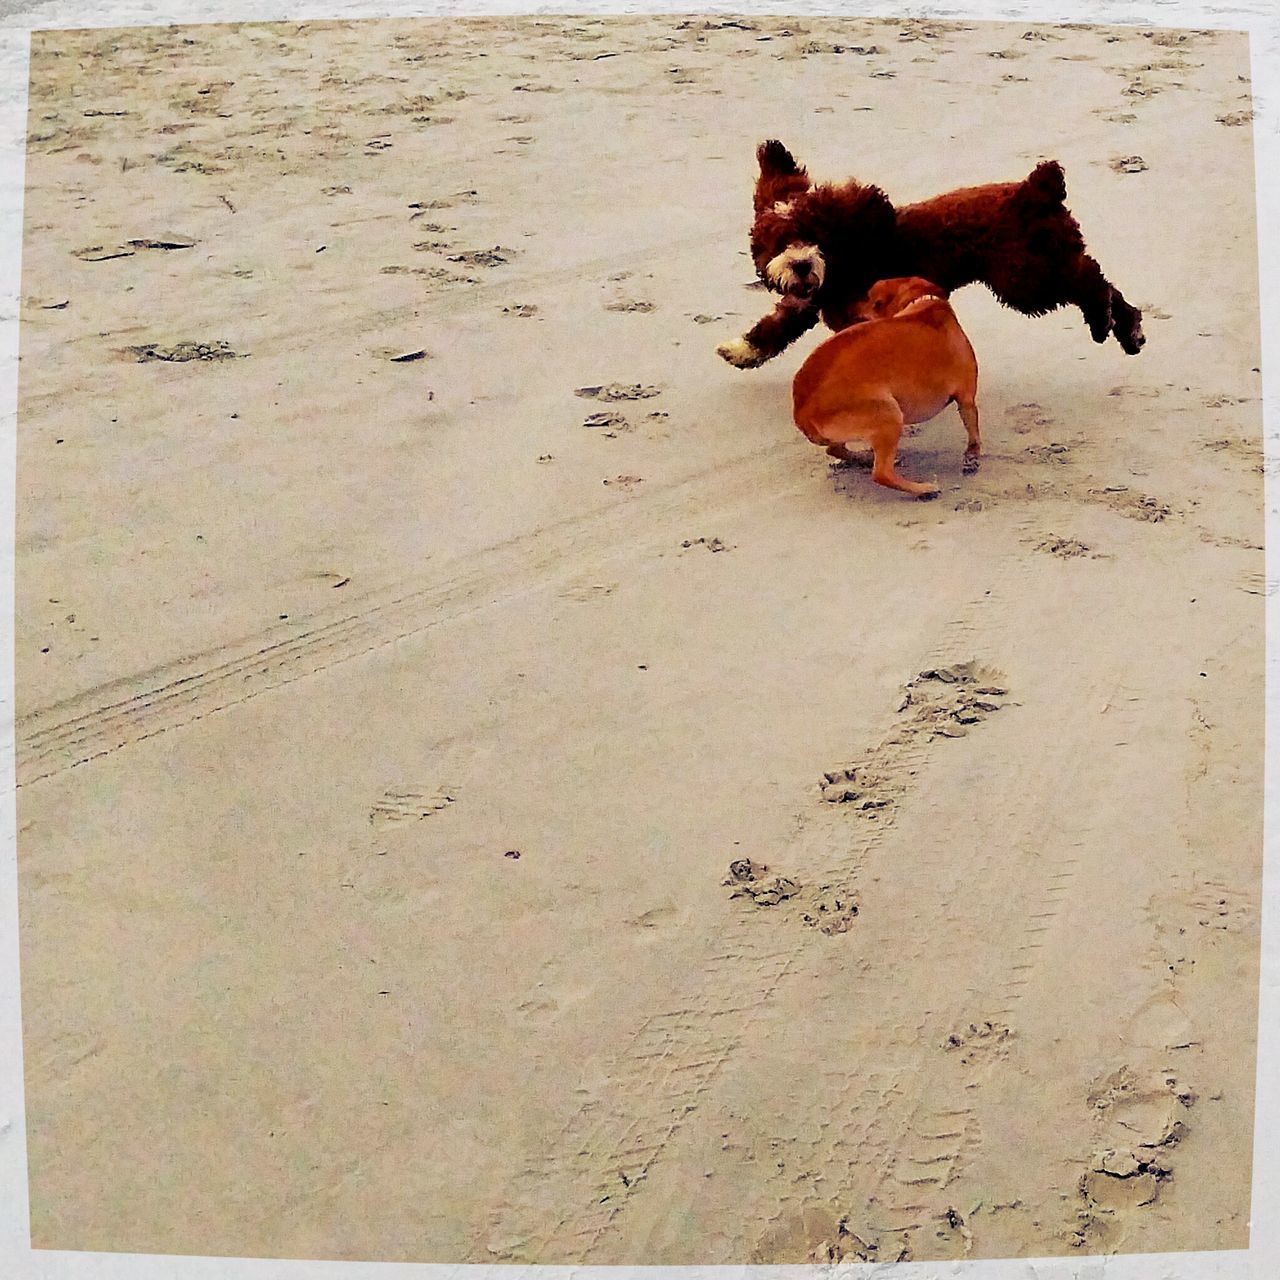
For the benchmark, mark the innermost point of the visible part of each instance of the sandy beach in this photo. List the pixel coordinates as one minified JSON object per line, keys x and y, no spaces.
{"x":491,"y":791}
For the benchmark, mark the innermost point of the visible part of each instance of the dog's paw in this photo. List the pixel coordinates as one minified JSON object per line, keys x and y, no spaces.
{"x":1126,"y":324}
{"x":1133,"y":341}
{"x":929,"y":493}
{"x":741,"y":354}
{"x":972,"y":461}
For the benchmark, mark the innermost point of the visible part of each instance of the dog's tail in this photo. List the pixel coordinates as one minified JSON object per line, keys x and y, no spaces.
{"x":1046,"y":185}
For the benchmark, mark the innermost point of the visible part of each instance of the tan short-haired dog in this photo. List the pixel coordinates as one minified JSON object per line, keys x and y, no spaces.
{"x":905,"y":364}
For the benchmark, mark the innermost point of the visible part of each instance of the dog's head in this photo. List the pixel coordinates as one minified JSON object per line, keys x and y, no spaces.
{"x":801,"y":231}
{"x":887,"y":298}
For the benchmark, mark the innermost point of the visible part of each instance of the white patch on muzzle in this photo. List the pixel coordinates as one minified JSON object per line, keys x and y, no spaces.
{"x":783,"y":274}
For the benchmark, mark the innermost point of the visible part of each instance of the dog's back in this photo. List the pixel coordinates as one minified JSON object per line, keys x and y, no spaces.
{"x":957,"y":238}
{"x":920,"y":357}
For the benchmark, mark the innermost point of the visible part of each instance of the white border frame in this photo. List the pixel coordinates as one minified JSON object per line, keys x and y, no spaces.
{"x":1261,"y":19}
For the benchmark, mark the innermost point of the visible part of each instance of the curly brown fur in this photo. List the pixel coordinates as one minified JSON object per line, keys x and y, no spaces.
{"x":822,"y":247}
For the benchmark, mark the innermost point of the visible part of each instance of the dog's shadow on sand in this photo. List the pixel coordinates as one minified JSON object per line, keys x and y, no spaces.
{"x":926,"y":455}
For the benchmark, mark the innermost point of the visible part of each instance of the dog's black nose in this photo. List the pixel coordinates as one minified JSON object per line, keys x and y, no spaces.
{"x":801,"y":268}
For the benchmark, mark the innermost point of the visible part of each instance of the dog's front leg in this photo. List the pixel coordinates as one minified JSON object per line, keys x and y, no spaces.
{"x":772,"y":334}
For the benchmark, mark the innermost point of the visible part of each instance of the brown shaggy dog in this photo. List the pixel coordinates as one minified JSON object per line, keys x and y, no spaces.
{"x":822,"y":247}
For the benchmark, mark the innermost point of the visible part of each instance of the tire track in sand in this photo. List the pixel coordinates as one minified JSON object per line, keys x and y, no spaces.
{"x":872,"y":1183}
{"x":901,"y":1128}
{"x":105,"y":719}
{"x":565,"y":1204}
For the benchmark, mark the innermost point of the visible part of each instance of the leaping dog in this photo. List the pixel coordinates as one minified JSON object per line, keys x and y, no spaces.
{"x":822,"y":247}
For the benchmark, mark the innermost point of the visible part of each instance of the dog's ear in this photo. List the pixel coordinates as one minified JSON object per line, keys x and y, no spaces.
{"x":781,"y":178}
{"x":775,"y":160}
{"x":883,"y":294}
{"x":881,"y":299}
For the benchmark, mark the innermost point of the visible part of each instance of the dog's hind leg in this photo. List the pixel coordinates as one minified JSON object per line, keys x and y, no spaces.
{"x":1091,"y":291}
{"x":842,"y":453}
{"x":884,"y":445}
{"x":880,"y":424}
{"x":1114,"y":316}
{"x":1126,"y":323}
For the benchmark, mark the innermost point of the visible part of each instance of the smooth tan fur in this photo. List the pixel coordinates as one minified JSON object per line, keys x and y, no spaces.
{"x":904,"y":365}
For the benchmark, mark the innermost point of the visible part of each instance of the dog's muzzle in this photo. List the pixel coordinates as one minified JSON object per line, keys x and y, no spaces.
{"x":797,"y":270}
